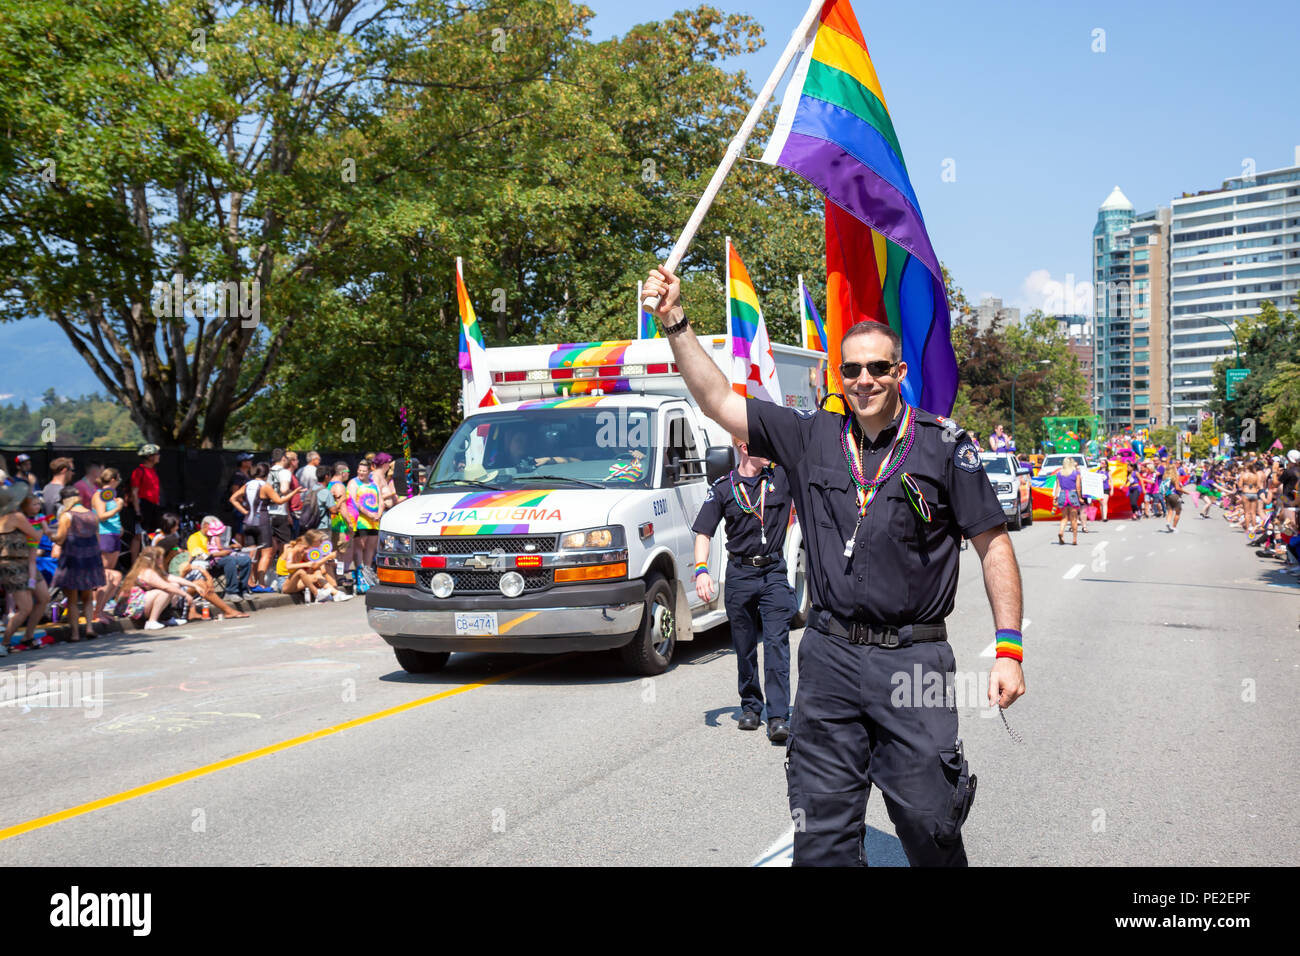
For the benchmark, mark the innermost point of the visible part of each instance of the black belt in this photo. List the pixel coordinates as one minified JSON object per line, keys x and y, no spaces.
{"x":756,"y":561}
{"x":882,"y":635}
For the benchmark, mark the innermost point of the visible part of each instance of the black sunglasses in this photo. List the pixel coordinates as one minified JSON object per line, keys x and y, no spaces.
{"x":877,"y":369}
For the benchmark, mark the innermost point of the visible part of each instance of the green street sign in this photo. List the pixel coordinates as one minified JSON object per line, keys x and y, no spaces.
{"x":1231,"y":377}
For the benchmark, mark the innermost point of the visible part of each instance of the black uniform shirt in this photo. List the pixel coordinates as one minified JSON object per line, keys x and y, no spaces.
{"x":743,"y":537}
{"x":903,"y":570}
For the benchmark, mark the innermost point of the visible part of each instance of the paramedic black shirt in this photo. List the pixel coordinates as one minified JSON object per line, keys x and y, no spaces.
{"x":903,"y":570}
{"x":743,"y":536}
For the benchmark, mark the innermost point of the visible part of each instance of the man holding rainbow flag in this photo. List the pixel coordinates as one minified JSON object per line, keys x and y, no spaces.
{"x":885,"y":489}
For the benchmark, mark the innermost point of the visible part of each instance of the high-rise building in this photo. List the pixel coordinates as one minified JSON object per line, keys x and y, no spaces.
{"x":991,"y":308}
{"x":1232,"y":248}
{"x":1130,"y":313}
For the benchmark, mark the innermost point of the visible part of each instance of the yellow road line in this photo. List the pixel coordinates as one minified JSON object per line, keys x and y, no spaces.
{"x":165,"y":782}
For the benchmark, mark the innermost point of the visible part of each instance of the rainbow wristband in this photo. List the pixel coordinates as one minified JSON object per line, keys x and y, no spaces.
{"x":1009,"y":644}
{"x":701,"y":567}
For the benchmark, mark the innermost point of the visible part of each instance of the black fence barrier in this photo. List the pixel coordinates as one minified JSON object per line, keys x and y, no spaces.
{"x":199,"y":477}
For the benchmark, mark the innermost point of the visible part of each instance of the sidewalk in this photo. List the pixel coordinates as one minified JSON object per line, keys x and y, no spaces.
{"x":119,"y":625}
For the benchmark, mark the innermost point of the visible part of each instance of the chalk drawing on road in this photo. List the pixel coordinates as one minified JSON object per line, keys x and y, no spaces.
{"x":171,"y":723}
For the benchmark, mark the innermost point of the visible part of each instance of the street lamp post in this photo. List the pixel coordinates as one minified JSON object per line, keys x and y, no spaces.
{"x":1236,"y":345}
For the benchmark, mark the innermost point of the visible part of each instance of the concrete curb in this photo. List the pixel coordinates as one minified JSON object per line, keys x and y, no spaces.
{"x":121,"y":625}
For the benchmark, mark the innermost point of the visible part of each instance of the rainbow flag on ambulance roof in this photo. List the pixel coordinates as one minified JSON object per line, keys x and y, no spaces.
{"x":475,"y":376}
{"x":646,"y":326}
{"x":835,"y":131}
{"x":813,"y":331}
{"x":753,"y":364}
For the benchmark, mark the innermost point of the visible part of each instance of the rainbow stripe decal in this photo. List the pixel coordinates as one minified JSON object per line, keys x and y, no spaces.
{"x":586,"y":401}
{"x":585,"y":355}
{"x":486,"y":512}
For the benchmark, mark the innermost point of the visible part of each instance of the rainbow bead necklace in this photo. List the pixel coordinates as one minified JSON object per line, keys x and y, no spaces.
{"x":854,"y":455}
{"x":747,"y":506}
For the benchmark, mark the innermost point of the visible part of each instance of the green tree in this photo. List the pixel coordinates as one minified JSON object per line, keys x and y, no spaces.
{"x":256,"y":142}
{"x":555,"y":224}
{"x":1267,"y":402}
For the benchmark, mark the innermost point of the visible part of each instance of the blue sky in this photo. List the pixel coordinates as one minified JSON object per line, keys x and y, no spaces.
{"x":1039,"y":126}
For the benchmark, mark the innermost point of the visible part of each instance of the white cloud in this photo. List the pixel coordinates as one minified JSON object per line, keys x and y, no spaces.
{"x":1066,"y":296}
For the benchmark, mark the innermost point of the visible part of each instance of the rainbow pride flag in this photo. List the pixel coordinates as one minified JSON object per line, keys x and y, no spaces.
{"x":753,"y":364}
{"x":476,"y":379}
{"x":814,"y":332}
{"x":646,"y":326}
{"x":835,"y":131}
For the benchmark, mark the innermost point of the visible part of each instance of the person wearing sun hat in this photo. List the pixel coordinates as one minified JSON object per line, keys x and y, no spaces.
{"x":235,"y":566}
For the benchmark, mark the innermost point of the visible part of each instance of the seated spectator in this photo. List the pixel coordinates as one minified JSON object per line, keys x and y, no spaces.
{"x":321,"y":557}
{"x":190,"y":571}
{"x":295,"y":572}
{"x":147,"y":593}
{"x":208,"y":544}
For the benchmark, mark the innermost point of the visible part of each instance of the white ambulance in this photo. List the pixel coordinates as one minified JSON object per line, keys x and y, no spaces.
{"x":561,"y":519}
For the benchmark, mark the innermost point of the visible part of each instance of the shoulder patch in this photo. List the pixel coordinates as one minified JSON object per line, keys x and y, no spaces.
{"x":967,"y":457}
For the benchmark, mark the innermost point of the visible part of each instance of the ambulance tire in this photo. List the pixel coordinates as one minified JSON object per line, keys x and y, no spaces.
{"x":420,"y":662}
{"x":651,"y":650}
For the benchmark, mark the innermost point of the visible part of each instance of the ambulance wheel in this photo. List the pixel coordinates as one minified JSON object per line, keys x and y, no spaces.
{"x":420,"y":662}
{"x":651,"y":650}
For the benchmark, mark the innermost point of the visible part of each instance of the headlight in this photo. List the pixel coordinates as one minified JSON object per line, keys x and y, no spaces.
{"x":394,"y":543}
{"x":595,"y":538}
{"x":512,"y":584}
{"x":442,"y":584}
{"x":1002,"y":488}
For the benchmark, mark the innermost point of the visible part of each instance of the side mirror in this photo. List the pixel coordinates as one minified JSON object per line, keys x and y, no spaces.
{"x":718,"y":461}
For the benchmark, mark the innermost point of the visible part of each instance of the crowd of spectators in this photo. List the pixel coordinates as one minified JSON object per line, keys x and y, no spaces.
{"x":102,"y":547}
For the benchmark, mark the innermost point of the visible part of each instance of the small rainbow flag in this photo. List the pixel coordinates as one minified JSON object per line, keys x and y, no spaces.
{"x":753,"y":364}
{"x":646,"y":326}
{"x":476,"y":378}
{"x":835,"y":131}
{"x":814,"y":332}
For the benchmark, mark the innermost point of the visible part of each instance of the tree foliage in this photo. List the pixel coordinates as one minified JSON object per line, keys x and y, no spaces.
{"x":89,"y":420}
{"x":1267,"y":403}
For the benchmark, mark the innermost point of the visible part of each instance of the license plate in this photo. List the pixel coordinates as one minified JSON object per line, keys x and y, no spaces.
{"x":471,"y":622}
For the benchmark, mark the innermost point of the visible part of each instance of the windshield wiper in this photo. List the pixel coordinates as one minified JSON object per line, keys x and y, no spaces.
{"x":462,"y":481}
{"x":576,"y":481}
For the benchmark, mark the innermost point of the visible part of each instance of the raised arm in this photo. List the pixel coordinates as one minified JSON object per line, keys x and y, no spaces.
{"x":708,"y":386}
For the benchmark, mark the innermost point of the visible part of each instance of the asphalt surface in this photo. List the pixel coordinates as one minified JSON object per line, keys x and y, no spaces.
{"x":1162,"y":678}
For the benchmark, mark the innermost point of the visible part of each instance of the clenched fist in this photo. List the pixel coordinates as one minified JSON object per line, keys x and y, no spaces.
{"x":662,"y":283}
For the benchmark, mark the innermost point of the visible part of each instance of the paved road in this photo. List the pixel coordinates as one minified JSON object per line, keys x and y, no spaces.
{"x":1162,"y":672}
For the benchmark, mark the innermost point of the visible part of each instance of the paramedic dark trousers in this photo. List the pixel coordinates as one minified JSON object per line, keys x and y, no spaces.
{"x":860,"y":718}
{"x":760,"y":602}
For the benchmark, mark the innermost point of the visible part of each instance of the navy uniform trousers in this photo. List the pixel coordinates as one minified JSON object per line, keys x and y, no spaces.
{"x":860,"y":718}
{"x":760,"y":602}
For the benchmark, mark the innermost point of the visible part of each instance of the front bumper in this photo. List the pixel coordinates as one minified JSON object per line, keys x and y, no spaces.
{"x":580,"y":617}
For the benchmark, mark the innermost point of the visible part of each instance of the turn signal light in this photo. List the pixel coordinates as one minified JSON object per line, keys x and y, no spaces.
{"x":395,"y":576}
{"x":594,"y":572}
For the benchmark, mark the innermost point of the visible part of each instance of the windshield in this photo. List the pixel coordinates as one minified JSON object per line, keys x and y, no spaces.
{"x":997,"y":466}
{"x":607,"y":447}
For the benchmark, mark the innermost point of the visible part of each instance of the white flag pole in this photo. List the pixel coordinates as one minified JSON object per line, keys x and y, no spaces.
{"x":638,"y":308}
{"x":737,"y":146}
{"x":726,"y":297}
{"x":803,"y":317}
